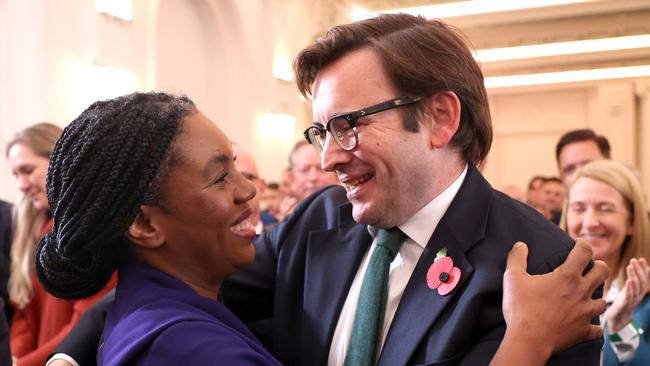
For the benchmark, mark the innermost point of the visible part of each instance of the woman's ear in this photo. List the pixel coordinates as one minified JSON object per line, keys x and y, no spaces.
{"x":144,"y":230}
{"x":443,"y":110}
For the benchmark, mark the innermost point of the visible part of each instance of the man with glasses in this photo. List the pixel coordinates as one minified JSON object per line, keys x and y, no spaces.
{"x":401,"y":116}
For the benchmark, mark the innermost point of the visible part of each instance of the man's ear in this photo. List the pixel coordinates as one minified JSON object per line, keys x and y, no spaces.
{"x":144,"y":230}
{"x":443,"y":112}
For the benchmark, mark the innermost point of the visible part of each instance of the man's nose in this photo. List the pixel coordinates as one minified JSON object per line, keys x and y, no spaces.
{"x":333,"y":155}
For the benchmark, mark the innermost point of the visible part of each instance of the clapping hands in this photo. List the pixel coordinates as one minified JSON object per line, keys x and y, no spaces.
{"x":619,"y":314}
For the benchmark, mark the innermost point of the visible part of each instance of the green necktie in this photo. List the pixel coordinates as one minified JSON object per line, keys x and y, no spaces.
{"x":369,"y":317}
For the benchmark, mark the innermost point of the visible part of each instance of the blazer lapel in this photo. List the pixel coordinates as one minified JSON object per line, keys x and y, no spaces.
{"x":332,"y":260}
{"x":462,"y":226}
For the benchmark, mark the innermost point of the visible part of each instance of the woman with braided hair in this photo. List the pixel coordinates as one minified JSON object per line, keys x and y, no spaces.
{"x":40,"y":320}
{"x":146,"y":184}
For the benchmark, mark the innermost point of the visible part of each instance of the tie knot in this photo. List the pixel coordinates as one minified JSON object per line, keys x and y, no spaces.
{"x":391,"y":239}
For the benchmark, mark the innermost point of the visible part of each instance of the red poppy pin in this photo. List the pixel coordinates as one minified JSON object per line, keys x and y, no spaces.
{"x":442,"y":274}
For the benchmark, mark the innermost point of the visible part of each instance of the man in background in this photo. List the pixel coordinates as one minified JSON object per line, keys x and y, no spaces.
{"x":553,"y":193}
{"x":573,"y":151}
{"x":577,"y":148}
{"x":534,"y":192}
{"x":247,"y":166}
{"x":305,"y":177}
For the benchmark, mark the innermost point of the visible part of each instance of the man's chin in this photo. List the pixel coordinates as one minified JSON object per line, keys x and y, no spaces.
{"x":366,"y":216}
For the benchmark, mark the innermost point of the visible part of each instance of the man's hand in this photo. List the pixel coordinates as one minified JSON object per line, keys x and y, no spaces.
{"x":548,"y":313}
{"x":636,"y":286}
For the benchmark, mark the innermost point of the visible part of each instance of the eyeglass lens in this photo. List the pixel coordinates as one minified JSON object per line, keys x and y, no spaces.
{"x":343,"y":133}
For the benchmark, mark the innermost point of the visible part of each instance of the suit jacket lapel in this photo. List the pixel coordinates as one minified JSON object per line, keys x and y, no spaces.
{"x":333,"y":257}
{"x":462,"y":226}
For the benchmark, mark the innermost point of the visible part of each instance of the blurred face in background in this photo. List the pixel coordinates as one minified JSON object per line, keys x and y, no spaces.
{"x":576,"y":155}
{"x":245,"y":163}
{"x":30,"y":171}
{"x":271,"y":198}
{"x":534,"y":193}
{"x":553,"y":195}
{"x":306,"y":174}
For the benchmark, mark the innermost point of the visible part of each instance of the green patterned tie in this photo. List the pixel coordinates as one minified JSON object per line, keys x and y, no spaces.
{"x":369,"y":317}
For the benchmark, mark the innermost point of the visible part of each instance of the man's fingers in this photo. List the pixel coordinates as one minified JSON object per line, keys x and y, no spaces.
{"x":517,"y":258}
{"x":579,"y":256}
{"x":596,"y":275}
{"x":600,"y":306}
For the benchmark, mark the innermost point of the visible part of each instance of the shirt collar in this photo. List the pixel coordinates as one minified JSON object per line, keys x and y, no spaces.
{"x":423,"y":223}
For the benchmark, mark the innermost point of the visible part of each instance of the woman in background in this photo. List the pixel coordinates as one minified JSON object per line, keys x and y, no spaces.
{"x":606,"y":206}
{"x":40,"y":320}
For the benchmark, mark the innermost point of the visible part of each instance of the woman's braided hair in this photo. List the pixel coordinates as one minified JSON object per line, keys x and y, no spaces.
{"x":109,"y":161}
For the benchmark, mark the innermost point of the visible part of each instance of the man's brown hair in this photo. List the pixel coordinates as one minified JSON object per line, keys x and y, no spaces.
{"x":421,"y":57}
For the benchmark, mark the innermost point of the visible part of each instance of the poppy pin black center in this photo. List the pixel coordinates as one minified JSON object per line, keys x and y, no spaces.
{"x":444,"y":277}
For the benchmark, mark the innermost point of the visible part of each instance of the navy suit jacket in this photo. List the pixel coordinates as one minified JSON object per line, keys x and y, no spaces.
{"x":5,"y":354}
{"x":5,"y":248}
{"x":303,"y":270}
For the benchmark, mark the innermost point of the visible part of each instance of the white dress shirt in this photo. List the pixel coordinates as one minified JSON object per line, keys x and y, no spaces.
{"x":419,"y":229}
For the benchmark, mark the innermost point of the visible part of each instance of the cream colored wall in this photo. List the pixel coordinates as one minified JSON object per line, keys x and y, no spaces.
{"x":46,"y":47}
{"x":218,"y":52}
{"x":529,"y":121}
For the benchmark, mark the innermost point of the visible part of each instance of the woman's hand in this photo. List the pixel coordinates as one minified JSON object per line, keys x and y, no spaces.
{"x":548,"y":313}
{"x":636,"y":286}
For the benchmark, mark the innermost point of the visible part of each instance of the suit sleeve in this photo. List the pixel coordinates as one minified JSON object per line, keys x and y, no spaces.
{"x":249,"y":292}
{"x":5,"y":354}
{"x":82,"y":340}
{"x":39,"y":355}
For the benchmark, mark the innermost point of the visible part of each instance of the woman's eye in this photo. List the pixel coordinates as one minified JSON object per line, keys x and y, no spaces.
{"x":220,"y":179}
{"x":577,"y":209}
{"x":28,"y":170}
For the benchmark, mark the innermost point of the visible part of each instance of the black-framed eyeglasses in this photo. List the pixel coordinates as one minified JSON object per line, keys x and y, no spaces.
{"x":343,"y":126}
